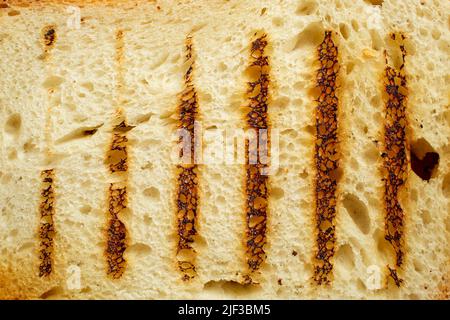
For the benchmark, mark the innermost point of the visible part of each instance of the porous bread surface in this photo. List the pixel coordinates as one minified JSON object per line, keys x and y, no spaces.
{"x":83,"y":75}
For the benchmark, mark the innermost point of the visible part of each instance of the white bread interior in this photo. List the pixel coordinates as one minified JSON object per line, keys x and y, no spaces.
{"x":83,"y":72}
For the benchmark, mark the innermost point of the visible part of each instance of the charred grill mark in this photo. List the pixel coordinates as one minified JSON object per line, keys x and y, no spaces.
{"x":187,"y":182}
{"x":117,"y":161}
{"x":117,"y":233}
{"x":118,"y":155}
{"x":47,"y":205}
{"x":395,"y":161}
{"x":256,"y":182}
{"x":326,"y":158}
{"x":46,"y":228}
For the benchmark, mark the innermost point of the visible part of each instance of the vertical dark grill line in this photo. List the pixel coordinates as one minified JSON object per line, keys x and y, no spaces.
{"x":187,"y":181}
{"x":46,"y":228}
{"x":117,"y":160}
{"x":395,"y":159}
{"x":256,"y":182}
{"x":326,"y":158}
{"x":117,"y":232}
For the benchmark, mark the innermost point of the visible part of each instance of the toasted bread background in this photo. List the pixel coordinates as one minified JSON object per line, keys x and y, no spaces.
{"x":60,"y":103}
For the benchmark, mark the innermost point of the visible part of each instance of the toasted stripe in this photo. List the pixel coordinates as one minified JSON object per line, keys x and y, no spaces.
{"x":187,"y":183}
{"x":117,"y":234}
{"x":47,"y":205}
{"x":117,"y":161}
{"x":395,"y":160}
{"x":46,"y":227}
{"x":256,"y":180}
{"x":326,"y":158}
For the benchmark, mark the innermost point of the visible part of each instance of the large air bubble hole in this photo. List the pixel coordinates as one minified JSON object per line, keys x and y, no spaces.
{"x":424,"y":159}
{"x":13,"y":124}
{"x":306,"y":8}
{"x":358,"y":212}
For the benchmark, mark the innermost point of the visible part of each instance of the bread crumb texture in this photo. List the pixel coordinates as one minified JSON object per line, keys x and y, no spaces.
{"x":94,"y":202}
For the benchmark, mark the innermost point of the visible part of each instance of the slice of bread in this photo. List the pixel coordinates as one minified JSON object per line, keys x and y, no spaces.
{"x":352,"y":202}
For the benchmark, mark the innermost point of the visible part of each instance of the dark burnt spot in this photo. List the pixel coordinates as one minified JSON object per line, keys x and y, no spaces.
{"x":49,"y":36}
{"x":326,"y":158}
{"x":257,"y":191}
{"x":424,"y":167}
{"x":46,"y":228}
{"x":116,"y":232}
{"x":395,"y":159}
{"x":424,"y":159}
{"x":187,"y":183}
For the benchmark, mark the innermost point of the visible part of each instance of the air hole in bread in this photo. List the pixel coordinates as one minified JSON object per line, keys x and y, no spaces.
{"x":344,"y":30}
{"x":151,"y":192}
{"x":436,"y":34}
{"x":446,"y":185}
{"x":424,"y":159}
{"x":29,"y":147}
{"x":88,"y":85}
{"x":85,"y":209}
{"x":53,"y":293}
{"x":27,"y":246}
{"x":278,"y":21}
{"x":310,"y":129}
{"x":12,"y":154}
{"x":139,"y":249}
{"x":371,"y":154}
{"x":426,"y":217}
{"x":413,"y":194}
{"x":350,"y":66}
{"x":361,"y":285}
{"x":375,"y":2}
{"x":377,"y":42}
{"x":355,"y":25}
{"x":79,"y":134}
{"x":13,"y":13}
{"x":345,"y":256}
{"x":418,"y":265}
{"x":281,"y":102}
{"x":161,"y":59}
{"x":311,"y":36}
{"x":384,"y":248}
{"x":423,"y":32}
{"x":306,"y":8}
{"x":185,"y":255}
{"x":52,"y":82}
{"x":13,"y":124}
{"x":358,"y":212}
{"x":230,"y":288}
{"x":143,"y":118}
